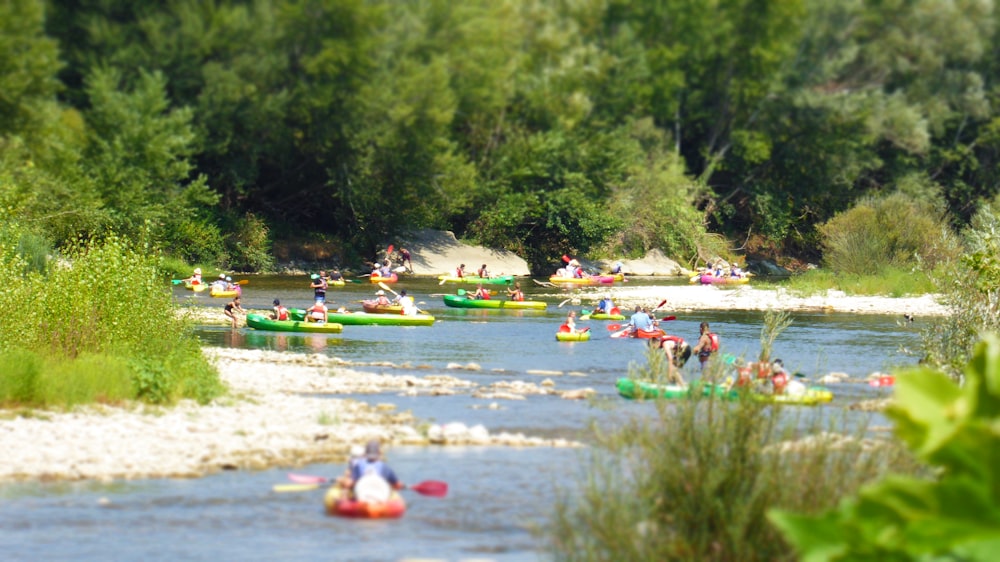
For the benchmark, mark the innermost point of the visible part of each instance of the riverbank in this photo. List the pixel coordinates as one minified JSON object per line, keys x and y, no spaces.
{"x":277,"y":413}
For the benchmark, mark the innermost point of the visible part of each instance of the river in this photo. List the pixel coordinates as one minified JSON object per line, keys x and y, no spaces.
{"x":496,"y":496}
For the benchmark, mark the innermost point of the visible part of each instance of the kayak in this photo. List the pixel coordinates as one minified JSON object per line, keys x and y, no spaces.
{"x":724,"y":280}
{"x":218,"y":293}
{"x":604,"y":316}
{"x":644,"y":390}
{"x":465,"y":302}
{"x":336,"y":282}
{"x":259,"y":322}
{"x":631,"y":389}
{"x":592,"y":280}
{"x":372,"y":308}
{"x":391,"y":279}
{"x":640,"y":333}
{"x":473,"y":279}
{"x":337,"y":504}
{"x":367,"y":319}
{"x":573,"y":336}
{"x":196,"y":287}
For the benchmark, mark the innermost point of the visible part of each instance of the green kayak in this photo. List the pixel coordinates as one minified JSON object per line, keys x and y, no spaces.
{"x":457,"y":301}
{"x":643,"y":390}
{"x":475,"y":280}
{"x":366,"y":319}
{"x":259,"y":322}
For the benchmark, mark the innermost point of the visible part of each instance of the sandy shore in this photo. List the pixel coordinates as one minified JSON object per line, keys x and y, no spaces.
{"x":269,"y":418}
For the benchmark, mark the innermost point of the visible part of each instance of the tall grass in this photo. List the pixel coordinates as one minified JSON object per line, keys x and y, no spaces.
{"x":102,"y":311}
{"x":696,"y":483}
{"x":891,"y":281}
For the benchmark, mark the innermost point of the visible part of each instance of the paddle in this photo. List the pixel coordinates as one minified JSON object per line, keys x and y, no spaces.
{"x":668,"y":318}
{"x":614,"y":327}
{"x":386,"y":287}
{"x":565,"y":301}
{"x":176,"y":281}
{"x":433,"y":488}
{"x":388,"y":251}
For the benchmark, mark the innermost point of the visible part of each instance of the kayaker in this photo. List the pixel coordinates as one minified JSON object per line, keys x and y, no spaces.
{"x":317,"y":312}
{"x":230,"y":286}
{"x":482,"y":293}
{"x":606,"y":305}
{"x":575,"y":270}
{"x":195,"y":278}
{"x":381,"y":299}
{"x":617,"y":267}
{"x":783,"y":383}
{"x":409,"y":308}
{"x":386,"y":269}
{"x":220,"y":283}
{"x":335,"y":275}
{"x":515,"y":294}
{"x":371,"y":478}
{"x":356,"y":454}
{"x":279,"y":312}
{"x":571,"y":322}
{"x":483,"y":272}
{"x":639,"y":321}
{"x":318,"y":286}
{"x":460,"y":271}
{"x":708,"y":343}
{"x":406,"y":259}
{"x":232,"y":308}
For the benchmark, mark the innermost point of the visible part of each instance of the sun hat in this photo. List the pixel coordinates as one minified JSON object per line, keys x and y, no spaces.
{"x":222,"y":276}
{"x":357,"y":451}
{"x":197,"y":270}
{"x":372,"y":450}
{"x":380,"y":292}
{"x":229,"y":278}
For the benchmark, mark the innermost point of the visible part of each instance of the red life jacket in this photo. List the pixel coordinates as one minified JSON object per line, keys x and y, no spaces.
{"x":714,"y":339}
{"x":282,"y":313}
{"x":780,"y":381}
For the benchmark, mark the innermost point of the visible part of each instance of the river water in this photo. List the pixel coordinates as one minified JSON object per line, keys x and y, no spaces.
{"x":497,"y":495}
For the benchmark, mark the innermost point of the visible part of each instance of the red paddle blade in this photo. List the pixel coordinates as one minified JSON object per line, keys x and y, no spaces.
{"x":663,"y":302}
{"x":587,"y":329}
{"x":668,"y":318}
{"x":614,"y":327}
{"x":565,"y":258}
{"x":389,"y":251}
{"x":306,"y":479}
{"x":433,"y":488}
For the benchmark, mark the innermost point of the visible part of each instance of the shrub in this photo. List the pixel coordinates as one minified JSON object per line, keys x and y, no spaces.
{"x":953,"y":517}
{"x":696,"y":482}
{"x":890,"y":231}
{"x":249,"y":245}
{"x":103,"y":308}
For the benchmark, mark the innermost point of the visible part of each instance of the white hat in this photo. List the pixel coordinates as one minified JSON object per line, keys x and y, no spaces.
{"x":380,"y":292}
{"x":574,"y":262}
{"x":357,"y":450}
{"x":222,"y":276}
{"x":197,"y":271}
{"x":229,"y":278}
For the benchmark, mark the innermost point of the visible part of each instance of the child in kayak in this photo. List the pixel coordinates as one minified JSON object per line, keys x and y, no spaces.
{"x":482,"y":293}
{"x":279,"y":312}
{"x":317,"y":312}
{"x":371,"y":478}
{"x":515,"y":294}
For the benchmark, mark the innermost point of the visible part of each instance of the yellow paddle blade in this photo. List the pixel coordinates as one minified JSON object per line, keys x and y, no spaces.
{"x":295,"y":487}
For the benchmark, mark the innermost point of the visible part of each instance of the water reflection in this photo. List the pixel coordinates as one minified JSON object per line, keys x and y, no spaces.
{"x":280,"y":341}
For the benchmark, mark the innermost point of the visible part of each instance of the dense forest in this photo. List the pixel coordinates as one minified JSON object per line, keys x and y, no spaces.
{"x":541,"y":126}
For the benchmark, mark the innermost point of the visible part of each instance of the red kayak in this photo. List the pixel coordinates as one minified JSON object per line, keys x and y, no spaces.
{"x":640,"y":333}
{"x":337,"y":505}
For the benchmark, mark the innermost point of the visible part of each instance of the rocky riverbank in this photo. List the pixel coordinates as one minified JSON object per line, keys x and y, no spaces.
{"x":272,"y":416}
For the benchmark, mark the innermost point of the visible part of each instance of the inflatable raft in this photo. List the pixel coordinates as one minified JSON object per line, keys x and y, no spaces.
{"x":196,"y":287}
{"x":337,"y":504}
{"x":458,"y":301}
{"x":259,"y":322}
{"x":640,"y":333}
{"x":573,"y":336}
{"x":223,"y":293}
{"x":375,"y":278}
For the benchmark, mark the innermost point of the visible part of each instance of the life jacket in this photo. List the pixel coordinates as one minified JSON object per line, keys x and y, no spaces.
{"x":459,"y":272}
{"x":282,"y":313}
{"x":518,"y":296}
{"x":318,"y":311}
{"x":714,"y":339}
{"x":484,"y":295}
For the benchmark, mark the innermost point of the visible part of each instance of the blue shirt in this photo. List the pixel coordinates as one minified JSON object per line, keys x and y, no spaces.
{"x":641,"y":321}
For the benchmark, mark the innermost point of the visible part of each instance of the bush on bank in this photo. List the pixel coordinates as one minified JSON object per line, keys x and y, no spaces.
{"x":90,"y":321}
{"x":697,"y":480}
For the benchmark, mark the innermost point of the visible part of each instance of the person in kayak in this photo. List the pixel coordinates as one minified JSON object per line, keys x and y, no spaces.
{"x":460,"y":271}
{"x":335,"y":275}
{"x":357,"y":453}
{"x":318,"y":286}
{"x":783,"y":383}
{"x":483,"y":272}
{"x":232,"y":308}
{"x":639,"y":321}
{"x":482,"y":293}
{"x":278,"y":312}
{"x":381,"y":299}
{"x":409,"y":308}
{"x":607,"y":306}
{"x":515,"y":294}
{"x":220,"y":283}
{"x":708,"y":343}
{"x":195,"y":278}
{"x":317,"y":312}
{"x":371,"y":478}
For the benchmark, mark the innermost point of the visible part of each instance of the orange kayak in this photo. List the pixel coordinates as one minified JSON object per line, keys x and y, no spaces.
{"x":337,"y":504}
